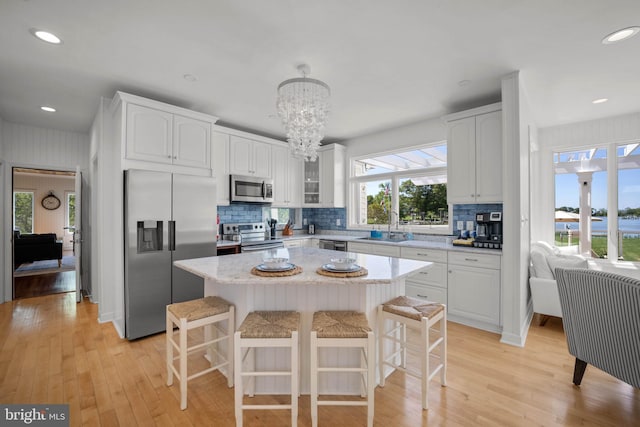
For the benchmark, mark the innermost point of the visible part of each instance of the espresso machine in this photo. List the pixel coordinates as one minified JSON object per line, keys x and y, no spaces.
{"x":488,"y":230}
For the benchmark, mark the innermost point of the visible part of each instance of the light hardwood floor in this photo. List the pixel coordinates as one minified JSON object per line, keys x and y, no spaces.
{"x":53,"y":350}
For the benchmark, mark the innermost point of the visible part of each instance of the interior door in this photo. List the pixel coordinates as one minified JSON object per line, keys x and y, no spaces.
{"x":77,"y":234}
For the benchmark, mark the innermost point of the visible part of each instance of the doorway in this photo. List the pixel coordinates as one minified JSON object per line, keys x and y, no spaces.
{"x":44,"y":218}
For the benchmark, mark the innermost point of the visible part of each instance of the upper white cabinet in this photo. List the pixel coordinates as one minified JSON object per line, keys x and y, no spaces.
{"x":286,"y":170}
{"x":324,"y":179}
{"x":159,"y":135}
{"x":474,"y":155}
{"x":220,"y":164}
{"x":249,"y":157}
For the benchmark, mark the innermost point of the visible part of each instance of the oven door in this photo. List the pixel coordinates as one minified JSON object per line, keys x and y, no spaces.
{"x":261,"y":246}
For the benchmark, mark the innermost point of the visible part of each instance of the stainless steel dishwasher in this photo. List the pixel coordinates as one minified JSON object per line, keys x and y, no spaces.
{"x":334,"y":245}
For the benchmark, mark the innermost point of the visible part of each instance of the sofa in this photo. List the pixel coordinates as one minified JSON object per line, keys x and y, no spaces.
{"x":35,"y":247}
{"x":542,"y":281}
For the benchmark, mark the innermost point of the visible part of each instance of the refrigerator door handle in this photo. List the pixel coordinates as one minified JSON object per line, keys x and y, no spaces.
{"x":172,"y":235}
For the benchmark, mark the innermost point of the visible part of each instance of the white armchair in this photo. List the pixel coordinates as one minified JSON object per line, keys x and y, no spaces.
{"x":544,"y":289}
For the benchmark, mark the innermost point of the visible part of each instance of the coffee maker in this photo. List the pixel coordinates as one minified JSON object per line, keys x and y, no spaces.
{"x":489,"y":230}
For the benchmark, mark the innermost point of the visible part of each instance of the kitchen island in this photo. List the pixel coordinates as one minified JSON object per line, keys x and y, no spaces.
{"x":230,"y":277}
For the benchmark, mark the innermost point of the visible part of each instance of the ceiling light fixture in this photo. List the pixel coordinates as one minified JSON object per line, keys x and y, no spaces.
{"x":620,"y":35}
{"x":599,"y":100}
{"x":303,"y":107}
{"x":48,"y":109}
{"x":46,"y":36}
{"x":190,"y":77}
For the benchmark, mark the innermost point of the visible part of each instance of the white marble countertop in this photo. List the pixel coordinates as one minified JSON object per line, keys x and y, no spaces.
{"x":236,"y":269}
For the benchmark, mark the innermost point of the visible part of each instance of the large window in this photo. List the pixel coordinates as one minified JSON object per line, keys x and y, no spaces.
{"x":584,"y":182}
{"x":23,"y":211}
{"x":71,"y":212}
{"x":405,"y":189}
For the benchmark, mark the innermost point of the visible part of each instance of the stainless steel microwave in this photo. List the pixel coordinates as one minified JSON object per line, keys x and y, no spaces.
{"x":251,"y":189}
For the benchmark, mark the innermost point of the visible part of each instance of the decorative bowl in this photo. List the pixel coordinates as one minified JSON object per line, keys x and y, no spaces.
{"x":343,"y":263}
{"x":276,"y":263}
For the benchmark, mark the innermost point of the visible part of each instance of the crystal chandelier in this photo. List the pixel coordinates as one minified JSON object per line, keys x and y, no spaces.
{"x":303,"y":107}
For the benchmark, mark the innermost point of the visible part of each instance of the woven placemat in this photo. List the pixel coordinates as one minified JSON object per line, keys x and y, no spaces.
{"x":293,"y":272}
{"x":362,"y":272}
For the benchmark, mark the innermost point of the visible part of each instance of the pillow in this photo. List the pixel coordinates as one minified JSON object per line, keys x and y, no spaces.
{"x":566,"y":262}
{"x":539,"y":263}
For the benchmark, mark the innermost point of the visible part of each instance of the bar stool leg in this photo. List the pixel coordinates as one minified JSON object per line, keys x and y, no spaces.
{"x":371,"y":376}
{"x":237,"y":354}
{"x":443,"y":349}
{"x":231,"y":327}
{"x":295,"y":379}
{"x":183,"y":364}
{"x":169,"y":332}
{"x":313,"y":359}
{"x":381,"y":334}
{"x":425,"y":362}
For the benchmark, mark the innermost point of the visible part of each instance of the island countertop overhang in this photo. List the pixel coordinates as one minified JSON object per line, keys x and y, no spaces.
{"x":232,"y":269}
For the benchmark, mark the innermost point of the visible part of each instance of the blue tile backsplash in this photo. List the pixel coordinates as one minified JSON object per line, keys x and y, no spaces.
{"x":468,"y":212}
{"x":325,"y":218}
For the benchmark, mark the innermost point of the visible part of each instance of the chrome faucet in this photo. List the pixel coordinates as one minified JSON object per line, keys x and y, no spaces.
{"x":391,"y":212}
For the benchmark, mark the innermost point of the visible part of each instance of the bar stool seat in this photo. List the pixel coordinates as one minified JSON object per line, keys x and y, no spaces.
{"x":205,"y":312}
{"x":420,"y":315}
{"x":266,"y":329}
{"x":343,"y":329}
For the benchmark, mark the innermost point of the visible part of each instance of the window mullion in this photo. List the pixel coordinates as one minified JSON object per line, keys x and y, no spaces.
{"x":612,"y":202}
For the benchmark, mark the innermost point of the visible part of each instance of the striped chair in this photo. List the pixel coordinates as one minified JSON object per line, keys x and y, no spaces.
{"x":601,"y":318}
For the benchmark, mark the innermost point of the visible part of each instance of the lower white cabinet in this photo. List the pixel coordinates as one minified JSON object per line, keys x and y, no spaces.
{"x":473,"y":290}
{"x":374,"y":249}
{"x":429,"y":283}
{"x":297,"y":243}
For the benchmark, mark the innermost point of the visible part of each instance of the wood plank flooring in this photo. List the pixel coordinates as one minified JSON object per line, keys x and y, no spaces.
{"x":53,"y":350}
{"x":44,"y":284}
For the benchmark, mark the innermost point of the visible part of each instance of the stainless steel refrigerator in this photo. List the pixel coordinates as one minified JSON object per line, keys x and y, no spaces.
{"x":167,"y":217}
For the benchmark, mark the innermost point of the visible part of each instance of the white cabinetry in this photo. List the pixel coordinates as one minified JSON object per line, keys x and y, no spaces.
{"x":473,"y":290}
{"x":474,"y":155}
{"x":429,"y":283}
{"x":374,"y":249}
{"x":249,"y":157}
{"x":287,"y":170}
{"x":161,"y":136}
{"x":220,"y":165}
{"x":324,"y":179}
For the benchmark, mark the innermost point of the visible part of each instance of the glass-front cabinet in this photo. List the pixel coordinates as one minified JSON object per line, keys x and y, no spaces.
{"x":312,"y":182}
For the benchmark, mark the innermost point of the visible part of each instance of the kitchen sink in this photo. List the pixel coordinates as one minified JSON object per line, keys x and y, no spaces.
{"x":385,"y":239}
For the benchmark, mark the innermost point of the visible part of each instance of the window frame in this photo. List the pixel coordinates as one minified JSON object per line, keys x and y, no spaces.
{"x":395,"y":177}
{"x":612,"y":191}
{"x":67,"y":195}
{"x":33,"y":209}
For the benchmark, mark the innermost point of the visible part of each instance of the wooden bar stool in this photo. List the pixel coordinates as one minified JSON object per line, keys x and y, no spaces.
{"x":342,"y":329}
{"x":205,"y":312}
{"x":420,"y":315}
{"x":266,"y":329}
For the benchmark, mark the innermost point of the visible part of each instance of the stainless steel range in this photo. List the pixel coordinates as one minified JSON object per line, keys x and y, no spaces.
{"x":252,"y":236}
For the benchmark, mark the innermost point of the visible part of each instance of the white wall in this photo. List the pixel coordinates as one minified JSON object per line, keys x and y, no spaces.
{"x":423,"y":132}
{"x":44,"y":220}
{"x":33,"y":147}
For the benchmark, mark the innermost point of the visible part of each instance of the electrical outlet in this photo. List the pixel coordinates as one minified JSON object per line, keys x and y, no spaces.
{"x":304,"y":221}
{"x":460,"y":225}
{"x":338,"y":221}
{"x":470,"y":225}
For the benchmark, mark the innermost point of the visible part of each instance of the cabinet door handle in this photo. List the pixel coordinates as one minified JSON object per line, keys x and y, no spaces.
{"x":421,"y":254}
{"x":471,"y":259}
{"x":450,"y":271}
{"x":424,"y":272}
{"x":423,"y":296}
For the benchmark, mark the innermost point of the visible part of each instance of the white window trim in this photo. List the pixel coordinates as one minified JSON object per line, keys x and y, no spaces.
{"x":67,"y":193}
{"x":612,"y":194}
{"x":394,"y":177}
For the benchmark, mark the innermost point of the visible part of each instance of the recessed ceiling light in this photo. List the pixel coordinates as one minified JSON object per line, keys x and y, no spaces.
{"x":48,"y":109}
{"x":190,"y":77}
{"x":45,"y":36}
{"x":599,"y":100}
{"x":463,"y":83}
{"x":620,"y":35}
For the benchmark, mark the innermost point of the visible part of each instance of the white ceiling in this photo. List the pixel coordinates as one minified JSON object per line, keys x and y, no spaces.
{"x":388,"y":63}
